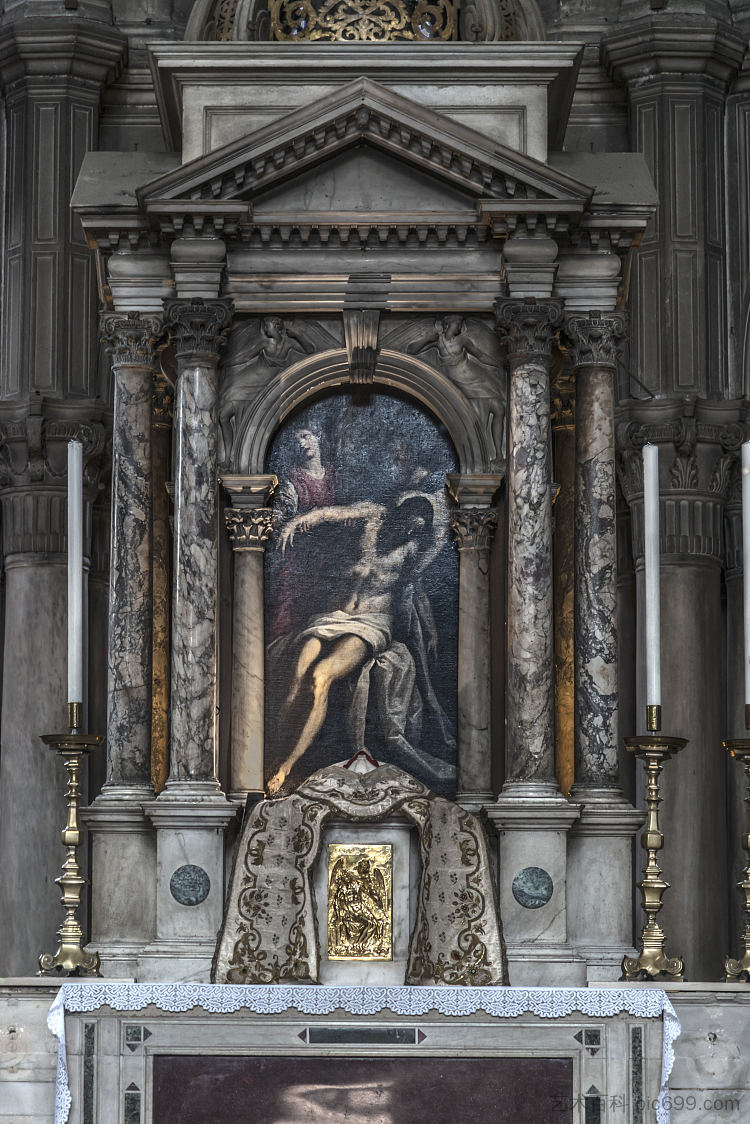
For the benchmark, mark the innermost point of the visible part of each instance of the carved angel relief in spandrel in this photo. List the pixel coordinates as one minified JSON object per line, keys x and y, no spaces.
{"x":467,"y":350}
{"x":259,"y":350}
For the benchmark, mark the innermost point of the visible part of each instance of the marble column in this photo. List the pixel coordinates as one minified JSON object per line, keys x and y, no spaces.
{"x":600,"y":843}
{"x":250,"y":525}
{"x":133,"y":341}
{"x":33,"y":493}
{"x":735,"y":649}
{"x":594,"y":340}
{"x":563,"y":445}
{"x":530,"y":327}
{"x":473,"y":522}
{"x":161,"y":442}
{"x":698,"y":442}
{"x":190,"y":815}
{"x":124,"y":845}
{"x":531,"y":815}
{"x":198,"y":329}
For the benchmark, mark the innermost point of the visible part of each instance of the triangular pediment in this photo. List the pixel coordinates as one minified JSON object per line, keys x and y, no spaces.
{"x":362,"y":178}
{"x":364,"y":113}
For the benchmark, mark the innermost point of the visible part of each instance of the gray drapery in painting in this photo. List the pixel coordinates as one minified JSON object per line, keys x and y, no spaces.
{"x":269,"y":932}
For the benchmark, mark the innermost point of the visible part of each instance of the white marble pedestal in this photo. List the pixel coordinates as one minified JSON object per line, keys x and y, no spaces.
{"x":406,"y":870}
{"x":123,"y":878}
{"x":533,"y":821}
{"x":600,"y":883}
{"x":189,"y":882}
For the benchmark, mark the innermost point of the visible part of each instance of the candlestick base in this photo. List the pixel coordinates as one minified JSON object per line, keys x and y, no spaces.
{"x":70,"y":958}
{"x":652,"y":962}
{"x":738,"y":971}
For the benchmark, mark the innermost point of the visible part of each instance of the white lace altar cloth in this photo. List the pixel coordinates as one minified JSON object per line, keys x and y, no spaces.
{"x":500,"y":1002}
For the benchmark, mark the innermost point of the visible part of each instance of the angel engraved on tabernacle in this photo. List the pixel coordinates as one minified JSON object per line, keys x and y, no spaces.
{"x":359,"y":923}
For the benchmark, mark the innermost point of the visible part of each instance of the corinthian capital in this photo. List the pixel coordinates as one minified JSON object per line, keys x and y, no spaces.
{"x":198,"y":327}
{"x":529,"y":325}
{"x":249,"y":528}
{"x":132,"y":339}
{"x":593,"y":338}
{"x":473,"y":527}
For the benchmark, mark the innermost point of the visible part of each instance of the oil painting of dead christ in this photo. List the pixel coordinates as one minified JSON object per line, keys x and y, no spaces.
{"x":361,"y":601}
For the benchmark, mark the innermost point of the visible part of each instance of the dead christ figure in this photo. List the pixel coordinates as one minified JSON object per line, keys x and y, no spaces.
{"x":335,"y":644}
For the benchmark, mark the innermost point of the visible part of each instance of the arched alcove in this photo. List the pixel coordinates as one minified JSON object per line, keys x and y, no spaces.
{"x":361,"y":589}
{"x":330,"y":369}
{"x":479,"y":21}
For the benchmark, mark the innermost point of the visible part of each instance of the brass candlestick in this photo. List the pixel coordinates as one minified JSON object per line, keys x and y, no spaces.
{"x":654,"y":749}
{"x":736,"y":971}
{"x":70,"y":959}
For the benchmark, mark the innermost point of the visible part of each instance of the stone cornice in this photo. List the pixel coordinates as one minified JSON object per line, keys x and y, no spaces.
{"x":177,"y":66}
{"x":60,"y":48}
{"x":365,"y":111}
{"x":676,"y":45}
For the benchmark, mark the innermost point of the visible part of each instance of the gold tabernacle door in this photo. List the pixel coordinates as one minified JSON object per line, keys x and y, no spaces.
{"x":360,"y":901}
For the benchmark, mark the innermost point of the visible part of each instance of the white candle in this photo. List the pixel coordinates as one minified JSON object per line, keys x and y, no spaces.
{"x":75,"y":571}
{"x":746,"y":558}
{"x":651,"y":558}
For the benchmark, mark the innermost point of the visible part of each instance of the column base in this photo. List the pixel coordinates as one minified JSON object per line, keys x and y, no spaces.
{"x":475,"y":802}
{"x":532,"y":821}
{"x":190,"y":822}
{"x":544,"y":964}
{"x":240,"y":796}
{"x":118,"y":961}
{"x":600,"y":879}
{"x":123,"y":874}
{"x":182,"y":961}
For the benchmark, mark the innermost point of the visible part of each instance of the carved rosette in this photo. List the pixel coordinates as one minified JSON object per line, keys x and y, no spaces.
{"x":198,"y":327}
{"x":249,"y":528}
{"x":473,"y":527}
{"x":594,"y":339}
{"x":529,"y":326}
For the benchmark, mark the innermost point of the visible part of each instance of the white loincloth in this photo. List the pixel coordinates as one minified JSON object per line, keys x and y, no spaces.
{"x":373,"y":628}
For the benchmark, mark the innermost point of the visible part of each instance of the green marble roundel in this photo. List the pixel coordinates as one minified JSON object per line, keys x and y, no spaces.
{"x":532,"y":887}
{"x":189,"y":885}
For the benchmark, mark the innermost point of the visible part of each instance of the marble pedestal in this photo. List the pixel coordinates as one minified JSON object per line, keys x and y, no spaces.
{"x":189,"y":881}
{"x":123,"y":881}
{"x":406,"y":869}
{"x":600,"y":881}
{"x":533,"y":820}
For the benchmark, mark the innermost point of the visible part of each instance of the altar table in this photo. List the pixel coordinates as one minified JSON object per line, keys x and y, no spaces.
{"x":598,"y":1040}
